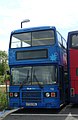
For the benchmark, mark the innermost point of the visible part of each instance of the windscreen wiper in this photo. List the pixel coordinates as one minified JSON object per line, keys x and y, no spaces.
{"x":26,"y":80}
{"x":37,"y":81}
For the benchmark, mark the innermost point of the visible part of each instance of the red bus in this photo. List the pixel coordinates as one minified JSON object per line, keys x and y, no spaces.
{"x":72,"y":48}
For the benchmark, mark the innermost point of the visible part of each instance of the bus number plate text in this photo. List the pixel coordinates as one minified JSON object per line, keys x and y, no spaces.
{"x":31,"y":104}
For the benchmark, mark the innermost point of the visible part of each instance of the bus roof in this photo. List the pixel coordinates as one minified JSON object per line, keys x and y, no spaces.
{"x":72,"y":32}
{"x":32,"y":29}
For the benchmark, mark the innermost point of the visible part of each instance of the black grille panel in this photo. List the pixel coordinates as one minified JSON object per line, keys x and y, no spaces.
{"x":31,"y":96}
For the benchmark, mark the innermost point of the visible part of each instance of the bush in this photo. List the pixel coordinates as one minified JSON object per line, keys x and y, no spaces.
{"x":1,"y":80}
{"x":3,"y":100}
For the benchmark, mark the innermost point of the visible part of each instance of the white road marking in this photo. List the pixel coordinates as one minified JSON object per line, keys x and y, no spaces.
{"x":70,"y":117}
{"x":40,"y":115}
{"x":54,"y":115}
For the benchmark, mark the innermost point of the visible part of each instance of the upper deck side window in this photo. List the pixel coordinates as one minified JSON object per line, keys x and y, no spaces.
{"x":61,"y":41}
{"x":35,"y":38}
{"x":74,"y":41}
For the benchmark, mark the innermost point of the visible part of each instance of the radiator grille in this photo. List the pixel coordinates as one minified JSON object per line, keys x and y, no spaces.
{"x":31,"y":96}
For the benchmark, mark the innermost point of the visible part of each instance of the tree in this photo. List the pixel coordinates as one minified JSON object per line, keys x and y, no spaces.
{"x":3,"y":62}
{"x":3,"y":66}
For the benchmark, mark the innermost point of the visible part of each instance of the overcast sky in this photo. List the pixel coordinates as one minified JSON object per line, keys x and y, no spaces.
{"x":63,"y":14}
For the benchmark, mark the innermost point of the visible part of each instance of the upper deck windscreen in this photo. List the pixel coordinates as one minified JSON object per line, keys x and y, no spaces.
{"x":74,"y":41}
{"x":35,"y":38}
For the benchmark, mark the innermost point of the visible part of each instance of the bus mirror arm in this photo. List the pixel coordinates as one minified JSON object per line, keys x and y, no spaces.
{"x":21,"y":86}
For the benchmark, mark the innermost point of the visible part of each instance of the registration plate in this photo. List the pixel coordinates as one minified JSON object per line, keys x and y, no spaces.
{"x":31,"y":104}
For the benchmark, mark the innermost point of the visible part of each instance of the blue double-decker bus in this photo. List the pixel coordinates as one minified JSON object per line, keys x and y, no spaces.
{"x":38,"y":64}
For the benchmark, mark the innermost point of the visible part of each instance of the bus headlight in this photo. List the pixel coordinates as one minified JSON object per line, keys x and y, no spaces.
{"x":47,"y":94}
{"x":16,"y":94}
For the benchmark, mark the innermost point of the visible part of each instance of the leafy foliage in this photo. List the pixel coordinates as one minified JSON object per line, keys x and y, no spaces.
{"x":3,"y":100}
{"x":3,"y":66}
{"x":3,"y":62}
{"x":3,"y":77}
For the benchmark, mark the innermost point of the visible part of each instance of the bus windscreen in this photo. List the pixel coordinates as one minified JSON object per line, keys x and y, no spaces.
{"x":32,"y":75}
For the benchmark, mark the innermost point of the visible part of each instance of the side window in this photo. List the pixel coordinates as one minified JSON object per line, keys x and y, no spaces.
{"x":64,"y":43}
{"x":66,"y":77}
{"x":61,"y":84}
{"x":59,"y":39}
{"x":75,"y":41}
{"x":61,"y":74}
{"x":76,"y":71}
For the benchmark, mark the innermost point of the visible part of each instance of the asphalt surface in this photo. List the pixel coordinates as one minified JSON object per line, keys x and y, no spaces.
{"x":69,"y":112}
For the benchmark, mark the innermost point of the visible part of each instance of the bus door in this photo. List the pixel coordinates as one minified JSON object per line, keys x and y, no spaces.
{"x":61,"y":83}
